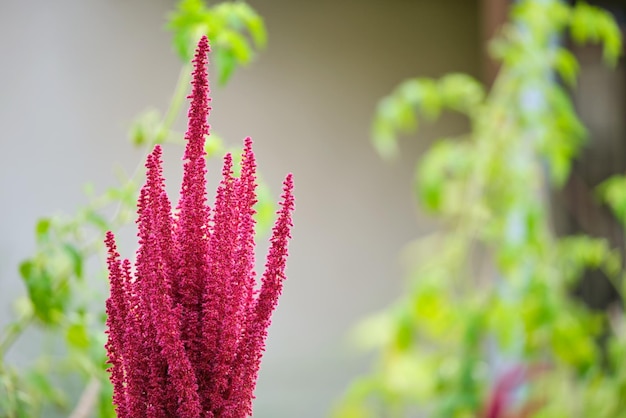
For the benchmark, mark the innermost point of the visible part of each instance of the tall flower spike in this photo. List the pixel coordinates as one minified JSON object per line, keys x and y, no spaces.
{"x":193,"y":217}
{"x":116,"y":307}
{"x":218,"y":298}
{"x":258,"y":320}
{"x":172,"y":367}
{"x":187,"y":332}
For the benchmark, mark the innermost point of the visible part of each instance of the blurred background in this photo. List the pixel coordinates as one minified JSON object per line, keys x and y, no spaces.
{"x":75,"y":74}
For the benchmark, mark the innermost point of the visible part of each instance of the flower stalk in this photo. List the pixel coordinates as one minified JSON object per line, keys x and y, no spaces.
{"x":187,"y":329}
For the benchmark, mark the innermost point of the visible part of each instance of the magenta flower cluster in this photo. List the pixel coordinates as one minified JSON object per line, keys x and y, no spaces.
{"x":186,"y":329}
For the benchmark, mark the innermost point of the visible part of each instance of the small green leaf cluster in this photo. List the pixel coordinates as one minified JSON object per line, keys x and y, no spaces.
{"x":234,"y":29}
{"x":66,"y":304}
{"x":396,"y":112}
{"x":613,"y":192}
{"x":492,"y":289}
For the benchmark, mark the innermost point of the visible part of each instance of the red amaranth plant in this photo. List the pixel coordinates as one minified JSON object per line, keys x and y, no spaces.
{"x":186,"y":333}
{"x":501,"y":402}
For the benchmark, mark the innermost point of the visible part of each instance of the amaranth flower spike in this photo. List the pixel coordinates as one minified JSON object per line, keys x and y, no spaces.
{"x":187,"y":330}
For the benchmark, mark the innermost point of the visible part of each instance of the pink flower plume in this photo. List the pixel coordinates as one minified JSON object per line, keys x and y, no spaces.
{"x":186,"y":331}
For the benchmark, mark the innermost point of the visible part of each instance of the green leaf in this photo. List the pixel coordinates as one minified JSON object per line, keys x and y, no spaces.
{"x":47,"y":294}
{"x":613,"y":192}
{"x":431,"y":103}
{"x":76,"y":258}
{"x":409,"y":375}
{"x":397,"y":112}
{"x":225,"y":63}
{"x":582,"y":26}
{"x":77,"y":336}
{"x":214,"y":145}
{"x":560,"y":166}
{"x":375,"y":331}
{"x":384,"y":138}
{"x":23,"y":307}
{"x":405,"y":331}
{"x":42,"y":228}
{"x":461,"y":93}
{"x":26,"y":269}
{"x":147,"y":129}
{"x":593,"y":24}
{"x":439,"y":175}
{"x":567,"y":66}
{"x":573,"y":343}
{"x":611,"y":36}
{"x":265,"y":208}
{"x":225,"y":24}
{"x":433,"y":310}
{"x":254,"y":24}
{"x":393,"y":114}
{"x":239,"y":47}
{"x":186,"y":22}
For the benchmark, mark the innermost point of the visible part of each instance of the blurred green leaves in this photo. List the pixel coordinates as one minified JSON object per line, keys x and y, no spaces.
{"x":441,"y":174}
{"x":613,"y":192}
{"x":494,"y":285}
{"x":234,"y":29}
{"x":396,"y":112}
{"x":592,"y":24}
{"x":60,"y":302}
{"x":49,"y":273}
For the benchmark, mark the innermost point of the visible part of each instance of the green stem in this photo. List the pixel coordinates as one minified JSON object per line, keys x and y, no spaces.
{"x":12,"y":333}
{"x":179,"y":96}
{"x":173,"y":110}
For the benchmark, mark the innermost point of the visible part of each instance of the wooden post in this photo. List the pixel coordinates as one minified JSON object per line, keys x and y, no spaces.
{"x":493,"y":14}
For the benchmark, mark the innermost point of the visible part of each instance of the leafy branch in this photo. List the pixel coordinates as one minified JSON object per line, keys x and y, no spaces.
{"x":489,"y":294}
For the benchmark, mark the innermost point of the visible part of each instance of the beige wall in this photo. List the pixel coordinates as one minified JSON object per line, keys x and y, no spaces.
{"x":75,"y":73}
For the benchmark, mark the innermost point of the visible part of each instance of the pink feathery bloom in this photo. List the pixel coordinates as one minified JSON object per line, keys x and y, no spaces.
{"x":186,"y":330}
{"x":502,"y":399}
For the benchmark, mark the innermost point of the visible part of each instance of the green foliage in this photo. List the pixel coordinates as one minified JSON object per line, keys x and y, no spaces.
{"x":494,"y":285}
{"x":396,"y":112}
{"x":64,"y":300}
{"x":234,"y":29}
{"x":613,"y":192}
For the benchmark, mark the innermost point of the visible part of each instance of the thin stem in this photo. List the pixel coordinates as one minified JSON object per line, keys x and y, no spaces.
{"x":87,"y":400}
{"x":176,"y":102}
{"x":12,"y":333}
{"x":178,"y":98}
